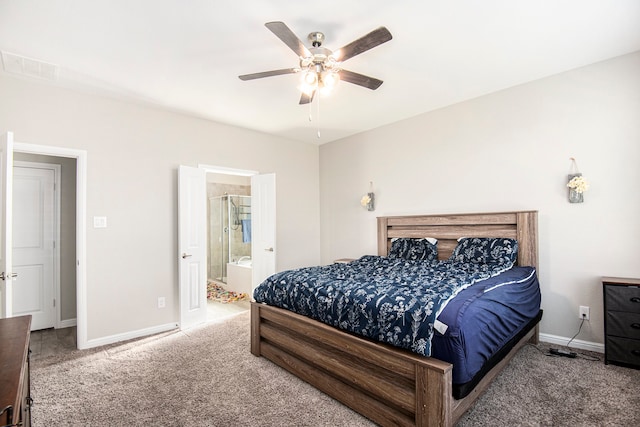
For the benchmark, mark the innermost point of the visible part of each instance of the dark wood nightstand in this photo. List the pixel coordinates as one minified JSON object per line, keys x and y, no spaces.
{"x":621,"y":321}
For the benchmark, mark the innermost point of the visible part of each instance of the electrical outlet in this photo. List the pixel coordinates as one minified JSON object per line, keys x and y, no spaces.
{"x":161,"y":302}
{"x":584,"y":312}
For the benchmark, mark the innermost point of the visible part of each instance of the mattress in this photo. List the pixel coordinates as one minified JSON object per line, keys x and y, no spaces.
{"x":483,"y":321}
{"x":390,"y":300}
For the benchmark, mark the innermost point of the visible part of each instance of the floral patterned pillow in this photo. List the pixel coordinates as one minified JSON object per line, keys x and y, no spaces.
{"x":486,"y":250}
{"x":414,"y":249}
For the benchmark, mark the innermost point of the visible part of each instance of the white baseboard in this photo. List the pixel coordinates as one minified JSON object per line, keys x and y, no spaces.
{"x":67,"y":323}
{"x":130,"y":335}
{"x":562,"y":341}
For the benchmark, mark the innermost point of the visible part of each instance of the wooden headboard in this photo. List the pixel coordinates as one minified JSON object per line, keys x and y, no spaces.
{"x":522,"y":226}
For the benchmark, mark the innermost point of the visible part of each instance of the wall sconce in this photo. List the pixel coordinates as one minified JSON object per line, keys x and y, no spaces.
{"x":367,"y":200}
{"x":577,"y":183}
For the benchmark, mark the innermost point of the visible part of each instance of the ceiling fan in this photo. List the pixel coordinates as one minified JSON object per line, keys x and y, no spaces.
{"x":320,"y":66}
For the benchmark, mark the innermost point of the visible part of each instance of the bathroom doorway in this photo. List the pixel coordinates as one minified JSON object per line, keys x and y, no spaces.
{"x":230,"y":237}
{"x":229,"y":269}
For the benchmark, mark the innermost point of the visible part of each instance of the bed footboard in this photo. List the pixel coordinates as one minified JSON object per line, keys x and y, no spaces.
{"x":387,"y":385}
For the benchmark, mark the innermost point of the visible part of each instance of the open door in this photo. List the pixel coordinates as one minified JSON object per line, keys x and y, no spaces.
{"x":192,"y":246}
{"x":263,"y":207}
{"x":6,"y":186}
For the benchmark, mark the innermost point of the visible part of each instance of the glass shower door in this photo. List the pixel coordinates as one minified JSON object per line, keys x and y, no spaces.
{"x":218,"y":240}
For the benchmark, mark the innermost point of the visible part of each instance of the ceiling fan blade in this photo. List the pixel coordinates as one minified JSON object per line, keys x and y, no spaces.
{"x":306,"y":99}
{"x":283,"y":32}
{"x":268,"y":73}
{"x":364,"y":43}
{"x":360,"y":79}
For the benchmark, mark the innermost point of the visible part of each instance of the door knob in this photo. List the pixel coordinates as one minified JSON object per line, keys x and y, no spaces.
{"x":8,"y":276}
{"x":269,"y":249}
{"x":185,"y":255}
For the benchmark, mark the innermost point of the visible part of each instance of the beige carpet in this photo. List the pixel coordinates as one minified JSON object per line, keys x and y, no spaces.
{"x":207,"y":377}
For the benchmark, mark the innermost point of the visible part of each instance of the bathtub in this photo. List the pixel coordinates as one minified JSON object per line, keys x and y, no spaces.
{"x":244,"y":261}
{"x":239,"y":276}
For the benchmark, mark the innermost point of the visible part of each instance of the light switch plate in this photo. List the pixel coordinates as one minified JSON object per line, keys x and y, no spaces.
{"x":99,"y":222}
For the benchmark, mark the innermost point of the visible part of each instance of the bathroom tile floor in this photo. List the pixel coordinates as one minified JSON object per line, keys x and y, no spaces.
{"x":218,"y":311}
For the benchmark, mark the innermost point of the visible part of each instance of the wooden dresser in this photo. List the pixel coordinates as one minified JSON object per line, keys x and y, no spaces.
{"x":621,"y":321}
{"x":15,"y":391}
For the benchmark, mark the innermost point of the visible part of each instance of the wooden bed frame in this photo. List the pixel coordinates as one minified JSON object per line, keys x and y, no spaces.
{"x":388,"y":385}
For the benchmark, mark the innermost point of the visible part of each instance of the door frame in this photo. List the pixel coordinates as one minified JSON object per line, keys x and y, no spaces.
{"x":56,"y":168}
{"x":6,"y":227}
{"x":81,"y":226}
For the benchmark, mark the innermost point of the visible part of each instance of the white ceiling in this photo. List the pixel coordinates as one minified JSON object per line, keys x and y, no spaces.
{"x":185,"y":55}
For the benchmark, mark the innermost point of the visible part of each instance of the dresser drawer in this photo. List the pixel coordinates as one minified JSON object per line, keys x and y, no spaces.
{"x":622,"y":298}
{"x":623,"y":350}
{"x":623,"y":324}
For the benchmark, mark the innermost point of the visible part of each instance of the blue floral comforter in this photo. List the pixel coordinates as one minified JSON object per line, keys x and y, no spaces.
{"x":391,"y":300}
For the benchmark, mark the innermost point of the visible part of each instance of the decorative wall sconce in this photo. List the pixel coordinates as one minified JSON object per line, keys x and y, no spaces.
{"x":577,"y":183}
{"x":367,"y":200}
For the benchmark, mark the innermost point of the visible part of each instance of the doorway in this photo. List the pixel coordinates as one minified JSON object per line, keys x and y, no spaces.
{"x":57,"y":262}
{"x":73,"y":307}
{"x":192,"y":236}
{"x":229,"y":269}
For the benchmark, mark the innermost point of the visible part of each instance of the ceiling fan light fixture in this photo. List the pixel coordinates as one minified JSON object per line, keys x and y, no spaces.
{"x":330,"y":79}
{"x":310,"y":78}
{"x":325,"y":90}
{"x":306,"y":88}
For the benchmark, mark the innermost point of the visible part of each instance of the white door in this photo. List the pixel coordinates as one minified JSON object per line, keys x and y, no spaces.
{"x":33,"y":244}
{"x":263,"y":213}
{"x":6,"y":185}
{"x":192,"y":245}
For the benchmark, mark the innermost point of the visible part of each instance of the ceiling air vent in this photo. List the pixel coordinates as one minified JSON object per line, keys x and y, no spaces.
{"x":17,"y":64}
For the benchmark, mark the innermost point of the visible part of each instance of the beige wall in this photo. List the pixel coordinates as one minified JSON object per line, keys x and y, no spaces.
{"x":510,"y":150}
{"x":133,"y":153}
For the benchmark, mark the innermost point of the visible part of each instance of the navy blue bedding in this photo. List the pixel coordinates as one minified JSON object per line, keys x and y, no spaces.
{"x":483,"y":318}
{"x":392,"y":300}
